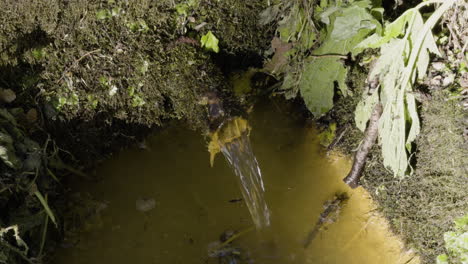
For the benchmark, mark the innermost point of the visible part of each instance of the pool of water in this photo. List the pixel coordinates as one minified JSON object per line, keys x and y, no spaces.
{"x":165,"y":204}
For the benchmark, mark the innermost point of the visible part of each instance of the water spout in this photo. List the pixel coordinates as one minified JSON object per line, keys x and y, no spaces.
{"x":240,"y":156}
{"x":232,"y":139}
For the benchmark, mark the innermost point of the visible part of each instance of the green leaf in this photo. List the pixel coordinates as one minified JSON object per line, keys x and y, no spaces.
{"x":364,"y":110}
{"x":46,"y":207}
{"x":317,"y":84}
{"x":143,"y":69}
{"x":289,"y":86}
{"x":325,"y":15}
{"x":348,"y":27}
{"x":462,"y":223}
{"x":182,"y":9}
{"x":391,"y":31}
{"x":401,"y":60}
{"x":103,"y":14}
{"x":210,"y":42}
{"x":269,"y":15}
{"x":39,"y":53}
{"x":351,"y":22}
{"x":289,"y":26}
{"x":456,"y":243}
{"x":137,"y":101}
{"x":442,"y":259}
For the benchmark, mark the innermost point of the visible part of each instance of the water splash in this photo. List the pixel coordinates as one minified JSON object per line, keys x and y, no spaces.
{"x":240,"y":156}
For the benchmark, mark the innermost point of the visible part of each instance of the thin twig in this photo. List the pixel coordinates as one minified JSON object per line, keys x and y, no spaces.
{"x":17,"y":251}
{"x":234,"y":237}
{"x":330,"y":56}
{"x":338,"y":139}
{"x":75,"y":63}
{"x":44,"y":234}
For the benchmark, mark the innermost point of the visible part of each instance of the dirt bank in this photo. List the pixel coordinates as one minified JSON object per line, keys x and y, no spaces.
{"x":89,"y":77}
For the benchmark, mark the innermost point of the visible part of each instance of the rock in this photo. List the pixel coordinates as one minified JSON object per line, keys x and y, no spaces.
{"x":448,"y":80}
{"x":464,"y":80}
{"x":7,"y":95}
{"x":436,"y":81}
{"x":145,"y":204}
{"x":438,"y":66}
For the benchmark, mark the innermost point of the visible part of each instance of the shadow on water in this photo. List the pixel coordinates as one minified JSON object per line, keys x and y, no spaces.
{"x":165,"y":204}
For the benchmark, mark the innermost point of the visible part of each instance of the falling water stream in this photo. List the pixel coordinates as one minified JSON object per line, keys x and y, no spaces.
{"x":240,"y":156}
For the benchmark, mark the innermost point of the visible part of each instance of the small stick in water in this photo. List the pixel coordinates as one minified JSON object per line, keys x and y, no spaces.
{"x":361,"y":155}
{"x":330,"y":214}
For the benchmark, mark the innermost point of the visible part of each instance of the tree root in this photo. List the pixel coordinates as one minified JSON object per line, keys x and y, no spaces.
{"x":361,"y":155}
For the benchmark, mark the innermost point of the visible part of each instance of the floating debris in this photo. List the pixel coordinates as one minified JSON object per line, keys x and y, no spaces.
{"x":225,"y":251}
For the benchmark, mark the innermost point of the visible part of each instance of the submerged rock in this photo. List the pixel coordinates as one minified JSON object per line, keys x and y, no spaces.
{"x":145,"y":204}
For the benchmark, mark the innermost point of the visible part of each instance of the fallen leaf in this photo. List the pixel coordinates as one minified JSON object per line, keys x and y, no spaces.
{"x":280,"y":59}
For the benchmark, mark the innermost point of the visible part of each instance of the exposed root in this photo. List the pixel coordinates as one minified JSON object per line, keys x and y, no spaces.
{"x":361,"y":155}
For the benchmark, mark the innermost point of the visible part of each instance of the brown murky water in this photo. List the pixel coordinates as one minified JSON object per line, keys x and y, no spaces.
{"x":188,"y":205}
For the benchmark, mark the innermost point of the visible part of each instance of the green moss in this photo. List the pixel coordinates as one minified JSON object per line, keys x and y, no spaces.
{"x":132,"y":44}
{"x":235,"y":23}
{"x":101,"y":72}
{"x":442,"y":148}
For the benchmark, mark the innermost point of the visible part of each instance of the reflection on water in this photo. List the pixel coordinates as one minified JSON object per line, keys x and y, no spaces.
{"x":166,"y":205}
{"x":240,"y":156}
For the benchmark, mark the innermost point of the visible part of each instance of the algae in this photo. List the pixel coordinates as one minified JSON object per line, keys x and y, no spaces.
{"x":230,"y":130}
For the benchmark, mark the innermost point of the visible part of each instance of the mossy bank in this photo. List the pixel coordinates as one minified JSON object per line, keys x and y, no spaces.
{"x":87,"y":77}
{"x":81,"y":79}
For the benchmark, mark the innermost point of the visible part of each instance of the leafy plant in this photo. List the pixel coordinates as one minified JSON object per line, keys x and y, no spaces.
{"x":315,"y":73}
{"x":43,"y":201}
{"x":210,"y":42}
{"x":347,"y":26}
{"x":185,"y":7}
{"x":39,"y":53}
{"x":138,"y":26}
{"x":404,"y":45}
{"x":456,"y":243}
{"x":108,"y":13}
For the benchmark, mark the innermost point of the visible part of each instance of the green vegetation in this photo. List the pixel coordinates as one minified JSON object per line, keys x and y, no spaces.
{"x":405,"y":45}
{"x":79,"y":79}
{"x":404,"y":56}
{"x":456,"y":243}
{"x":210,"y":42}
{"x":420,"y":134}
{"x":314,"y":73}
